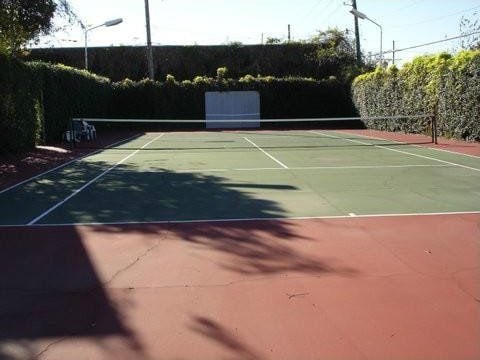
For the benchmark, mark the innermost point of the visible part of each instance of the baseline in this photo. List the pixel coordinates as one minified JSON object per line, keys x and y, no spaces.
{"x":192,"y":221}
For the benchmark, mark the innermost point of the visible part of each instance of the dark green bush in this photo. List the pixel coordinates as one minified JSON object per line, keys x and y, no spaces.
{"x":20,"y":107}
{"x":441,"y":84}
{"x":186,"y":62}
{"x":67,"y":92}
{"x":39,"y":99}
{"x":279,"y":97}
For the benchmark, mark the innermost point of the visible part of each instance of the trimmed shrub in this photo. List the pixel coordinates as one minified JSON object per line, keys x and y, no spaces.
{"x":291,"y":97}
{"x":441,"y":84}
{"x":20,"y":107}
{"x":459,"y":97}
{"x":39,"y":99}
{"x":67,"y":92}
{"x":186,"y":62}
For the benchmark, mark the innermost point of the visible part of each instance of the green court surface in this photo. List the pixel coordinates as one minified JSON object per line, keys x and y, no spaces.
{"x":186,"y":176}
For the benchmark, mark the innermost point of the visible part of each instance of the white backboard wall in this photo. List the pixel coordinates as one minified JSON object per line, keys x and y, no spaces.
{"x":232,"y":106}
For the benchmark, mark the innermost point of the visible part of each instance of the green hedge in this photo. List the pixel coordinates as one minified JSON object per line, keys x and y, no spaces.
{"x":20,"y":107}
{"x":67,"y":92}
{"x":38,"y":99}
{"x":459,"y":98}
{"x":186,"y":62}
{"x":441,"y":84}
{"x":279,"y":97}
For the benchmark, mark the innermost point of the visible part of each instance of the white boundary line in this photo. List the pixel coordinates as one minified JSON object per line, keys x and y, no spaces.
{"x":45,"y":213}
{"x":266,"y":153}
{"x":396,"y":150}
{"x":448,"y":151}
{"x":313,"y":168}
{"x":326,"y":217}
{"x":67,"y":163}
{"x":404,"y":143}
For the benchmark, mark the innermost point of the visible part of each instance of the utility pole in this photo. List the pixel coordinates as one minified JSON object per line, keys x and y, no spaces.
{"x":149,"y":43}
{"x":393,"y":52}
{"x":357,"y":34}
{"x":289,"y":33}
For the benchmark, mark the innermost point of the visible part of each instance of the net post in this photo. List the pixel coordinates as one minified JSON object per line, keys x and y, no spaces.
{"x":434,"y":123}
{"x":432,"y":128}
{"x":433,"y":120}
{"x":72,"y":135}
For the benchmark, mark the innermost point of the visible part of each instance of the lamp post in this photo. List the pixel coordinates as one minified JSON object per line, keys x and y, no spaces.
{"x":86,"y":30}
{"x":362,"y":16}
{"x":151,"y":72}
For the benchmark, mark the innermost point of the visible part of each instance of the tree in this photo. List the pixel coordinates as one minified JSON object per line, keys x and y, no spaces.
{"x":22,"y":21}
{"x":272,"y":40}
{"x":469,"y":25}
{"x":335,"y":50}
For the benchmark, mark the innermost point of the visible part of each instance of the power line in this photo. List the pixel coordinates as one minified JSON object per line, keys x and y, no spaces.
{"x":325,"y":9}
{"x":439,"y":18}
{"x":416,"y":2}
{"x":335,"y":10}
{"x":429,"y":43}
{"x":310,"y":12}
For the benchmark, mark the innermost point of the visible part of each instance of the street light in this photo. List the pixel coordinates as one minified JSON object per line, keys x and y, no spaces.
{"x":86,"y":30}
{"x":362,"y":16}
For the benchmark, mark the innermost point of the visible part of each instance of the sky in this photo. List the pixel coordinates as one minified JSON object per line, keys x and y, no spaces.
{"x":206,"y":22}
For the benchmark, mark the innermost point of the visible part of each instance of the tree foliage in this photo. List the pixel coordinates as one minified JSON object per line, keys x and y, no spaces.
{"x":443,"y":84}
{"x":468,"y":25}
{"x":329,"y":53}
{"x":336,"y":49}
{"x":22,"y":21}
{"x":273,"y":40}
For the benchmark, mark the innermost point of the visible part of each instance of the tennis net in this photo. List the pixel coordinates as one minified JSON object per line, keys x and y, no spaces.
{"x":99,"y":132}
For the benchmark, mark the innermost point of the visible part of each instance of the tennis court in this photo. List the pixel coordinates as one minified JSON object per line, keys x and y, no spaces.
{"x":248,"y":244}
{"x":185,"y":176}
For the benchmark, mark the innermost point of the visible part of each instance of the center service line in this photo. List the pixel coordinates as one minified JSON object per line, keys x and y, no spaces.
{"x":266,"y":153}
{"x":91,"y":182}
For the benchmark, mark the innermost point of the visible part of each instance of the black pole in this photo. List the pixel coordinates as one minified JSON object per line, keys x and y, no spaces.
{"x":151,"y":72}
{"x":357,"y":34}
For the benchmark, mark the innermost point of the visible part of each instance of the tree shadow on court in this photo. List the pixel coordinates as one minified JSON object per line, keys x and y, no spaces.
{"x":226,"y":338}
{"x":50,"y":287}
{"x":50,"y":292}
{"x":130,"y":200}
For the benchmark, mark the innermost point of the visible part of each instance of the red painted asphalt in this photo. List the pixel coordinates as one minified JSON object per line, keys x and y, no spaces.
{"x":462,"y":147}
{"x":357,"y":288}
